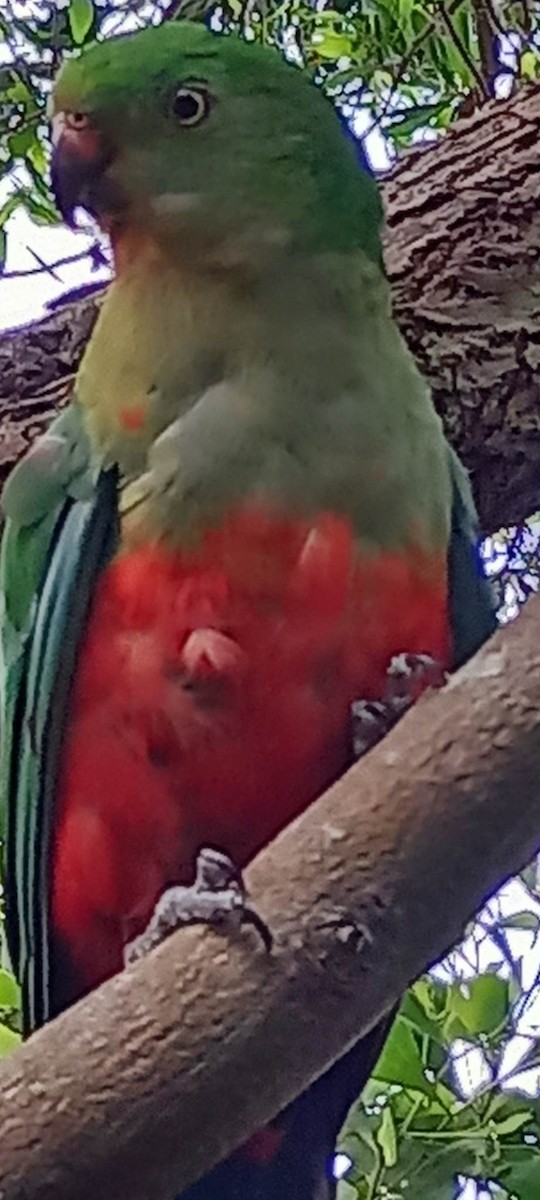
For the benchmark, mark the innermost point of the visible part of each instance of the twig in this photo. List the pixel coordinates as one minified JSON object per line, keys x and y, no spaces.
{"x":187,"y":10}
{"x":487,"y":24}
{"x":48,"y":268}
{"x":467,"y":58}
{"x":406,"y":60}
{"x":66,"y":261}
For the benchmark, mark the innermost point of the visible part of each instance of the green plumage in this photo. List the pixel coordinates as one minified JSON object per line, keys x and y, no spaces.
{"x":53,"y":546}
{"x":285,"y":166}
{"x":472,"y":599}
{"x":253,"y":332}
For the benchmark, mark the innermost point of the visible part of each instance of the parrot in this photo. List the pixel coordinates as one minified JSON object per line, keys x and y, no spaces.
{"x":246,"y":513}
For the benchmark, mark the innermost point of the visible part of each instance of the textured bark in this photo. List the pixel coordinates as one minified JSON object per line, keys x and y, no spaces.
{"x":36,"y":375}
{"x":170,"y":1054}
{"x":462,"y":250}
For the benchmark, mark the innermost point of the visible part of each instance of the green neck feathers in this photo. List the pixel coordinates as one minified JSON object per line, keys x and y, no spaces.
{"x":290,"y":385}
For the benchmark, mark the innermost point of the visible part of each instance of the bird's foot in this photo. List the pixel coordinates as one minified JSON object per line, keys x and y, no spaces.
{"x":217,"y":898}
{"x":406,"y":678}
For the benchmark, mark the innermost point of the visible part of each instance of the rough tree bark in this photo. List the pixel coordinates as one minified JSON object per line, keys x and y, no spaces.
{"x":171,"y":1053}
{"x":463,"y":243}
{"x":462,"y":254}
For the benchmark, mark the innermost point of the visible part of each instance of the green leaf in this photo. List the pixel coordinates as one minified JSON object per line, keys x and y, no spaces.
{"x":346,"y":1191}
{"x":405,"y":8}
{"x":8,"y":1040}
{"x":528,"y":65}
{"x":521,"y":920}
{"x":10,"y":992}
{"x":19,"y":143}
{"x":40,"y":209}
{"x":524,"y":1181}
{"x":418,"y":1008}
{"x":330,"y":45}
{"x":513,"y":1122}
{"x":529,"y":876}
{"x":81,"y":19}
{"x":387,"y":1138}
{"x":480,"y":1005}
{"x":36,"y":163}
{"x":400,"y":1061}
{"x":358,"y":1140}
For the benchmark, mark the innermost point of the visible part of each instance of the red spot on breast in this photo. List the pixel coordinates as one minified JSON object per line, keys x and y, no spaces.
{"x":132,"y":419}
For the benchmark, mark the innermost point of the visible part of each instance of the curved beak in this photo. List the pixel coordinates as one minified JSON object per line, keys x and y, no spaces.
{"x":79,"y":159}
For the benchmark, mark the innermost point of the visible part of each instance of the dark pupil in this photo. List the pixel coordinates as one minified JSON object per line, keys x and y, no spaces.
{"x":187,"y":105}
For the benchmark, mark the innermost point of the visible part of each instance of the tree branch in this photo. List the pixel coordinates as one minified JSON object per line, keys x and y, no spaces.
{"x":144,"y":1085}
{"x":487,"y":28}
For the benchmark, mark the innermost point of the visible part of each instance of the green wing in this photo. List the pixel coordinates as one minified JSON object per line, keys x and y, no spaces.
{"x":472,"y":600}
{"x":61,"y":527}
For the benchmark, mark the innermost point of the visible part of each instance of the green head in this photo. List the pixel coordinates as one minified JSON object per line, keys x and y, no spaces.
{"x":176,"y":131}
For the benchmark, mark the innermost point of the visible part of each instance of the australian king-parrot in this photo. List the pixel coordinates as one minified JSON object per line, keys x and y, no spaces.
{"x":247,"y":511}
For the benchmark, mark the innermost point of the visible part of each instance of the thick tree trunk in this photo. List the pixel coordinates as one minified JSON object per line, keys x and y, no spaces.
{"x":462,"y":251}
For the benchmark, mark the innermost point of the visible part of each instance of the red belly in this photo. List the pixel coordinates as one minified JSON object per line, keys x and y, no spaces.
{"x":211,"y":705}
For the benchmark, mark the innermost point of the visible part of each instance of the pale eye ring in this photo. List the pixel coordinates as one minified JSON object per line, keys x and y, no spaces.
{"x":77,"y":120}
{"x":191,"y":105}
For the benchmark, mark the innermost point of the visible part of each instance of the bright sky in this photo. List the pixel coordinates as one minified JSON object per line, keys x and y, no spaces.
{"x":24,"y":297}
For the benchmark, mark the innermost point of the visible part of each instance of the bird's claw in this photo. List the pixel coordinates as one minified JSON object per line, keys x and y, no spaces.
{"x":406,"y":678}
{"x":217,"y":898}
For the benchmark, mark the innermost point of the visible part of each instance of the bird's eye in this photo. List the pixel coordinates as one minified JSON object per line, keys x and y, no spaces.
{"x":191,"y":105}
{"x":77,"y":120}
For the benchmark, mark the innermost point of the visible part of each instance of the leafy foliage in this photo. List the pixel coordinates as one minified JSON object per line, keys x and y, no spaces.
{"x":415,"y":1132}
{"x":513,"y":561}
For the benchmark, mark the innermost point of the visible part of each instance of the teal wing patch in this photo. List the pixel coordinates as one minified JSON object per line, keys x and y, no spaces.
{"x":59,"y":464}
{"x":472,"y":599}
{"x":54,"y":545}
